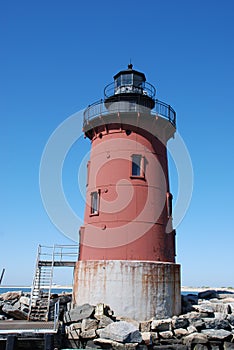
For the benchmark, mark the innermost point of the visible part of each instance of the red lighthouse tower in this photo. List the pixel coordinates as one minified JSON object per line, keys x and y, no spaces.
{"x":127,"y":243}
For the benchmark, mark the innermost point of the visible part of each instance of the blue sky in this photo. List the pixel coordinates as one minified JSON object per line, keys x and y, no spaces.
{"x":56,"y":58}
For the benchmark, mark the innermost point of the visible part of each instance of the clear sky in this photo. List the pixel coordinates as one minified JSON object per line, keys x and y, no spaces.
{"x":56,"y":58}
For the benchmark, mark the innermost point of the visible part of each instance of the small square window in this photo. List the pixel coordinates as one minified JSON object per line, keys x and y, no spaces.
{"x":94,"y":203}
{"x":169,"y":204}
{"x":137,"y":165}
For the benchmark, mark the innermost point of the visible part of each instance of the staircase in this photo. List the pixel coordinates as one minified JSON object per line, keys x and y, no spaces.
{"x":48,"y":257}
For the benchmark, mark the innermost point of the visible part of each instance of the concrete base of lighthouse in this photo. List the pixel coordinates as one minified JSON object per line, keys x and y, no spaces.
{"x":136,"y":289}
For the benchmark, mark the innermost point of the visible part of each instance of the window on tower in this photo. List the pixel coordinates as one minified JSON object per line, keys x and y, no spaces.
{"x":169,"y":204}
{"x":138,"y":166}
{"x":94,"y":203}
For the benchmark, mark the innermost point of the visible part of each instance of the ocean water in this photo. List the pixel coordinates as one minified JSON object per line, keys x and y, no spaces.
{"x":55,"y":290}
{"x":28,"y":290}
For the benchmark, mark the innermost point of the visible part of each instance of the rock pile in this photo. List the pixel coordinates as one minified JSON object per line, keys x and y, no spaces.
{"x":206,"y":323}
{"x":15,"y":305}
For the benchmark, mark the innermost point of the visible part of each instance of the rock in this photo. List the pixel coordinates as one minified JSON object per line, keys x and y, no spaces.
{"x":104,"y":321}
{"x":91,"y":345}
{"x":170,"y":347}
{"x":121,"y":331}
{"x":73,"y":334}
{"x":217,"y":323}
{"x":228,"y":346}
{"x":208,"y":294}
{"x":165,"y":334}
{"x":129,"y":320}
{"x":161,"y":325}
{"x":99,"y":310}
{"x":179,"y":322}
{"x":110,"y":344}
{"x":224,"y":295}
{"x":195,"y":338}
{"x":76,"y":325}
{"x":88,"y":334}
{"x":11,"y":295}
{"x":88,"y":324}
{"x":204,"y":308}
{"x":145,"y":326}
{"x":230,"y":319}
{"x":180,"y":332}
{"x":78,"y":313}
{"x":199,"y":325}
{"x":154,"y":337}
{"x":191,"y":329}
{"x":219,"y":334}
{"x":215,"y":345}
{"x":2,"y":317}
{"x":146,"y":337}
{"x":222,"y":308}
{"x":64,"y":298}
{"x":200,"y":347}
{"x":24,"y":300}
{"x":14,"y":312}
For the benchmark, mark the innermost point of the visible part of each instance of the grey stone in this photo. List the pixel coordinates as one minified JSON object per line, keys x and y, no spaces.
{"x":228,"y":346}
{"x":166,"y":335}
{"x":204,"y":308}
{"x":64,"y":298}
{"x":11,"y":295}
{"x":180,"y":322}
{"x":217,"y":323}
{"x":145,"y":326}
{"x":219,"y":334}
{"x":170,"y":347}
{"x":110,"y":344}
{"x":154,"y":337}
{"x":121,"y":331}
{"x":221,"y":308}
{"x":146,"y":338}
{"x":230,"y":319}
{"x":88,"y":334}
{"x":76,"y":325}
{"x":208,"y":294}
{"x":199,"y":325}
{"x":161,"y":325}
{"x":129,"y":320}
{"x":200,"y":347}
{"x":24,"y":300}
{"x":91,"y":345}
{"x":73,"y":334}
{"x":104,"y":321}
{"x":88,"y":324}
{"x":191,"y":329}
{"x":14,"y":312}
{"x":180,"y":332}
{"x":78,"y":313}
{"x":195,"y":338}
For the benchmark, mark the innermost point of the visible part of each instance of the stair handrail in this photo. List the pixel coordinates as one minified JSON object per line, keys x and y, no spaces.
{"x":56,"y":315}
{"x":51,"y":282}
{"x":34,"y":279}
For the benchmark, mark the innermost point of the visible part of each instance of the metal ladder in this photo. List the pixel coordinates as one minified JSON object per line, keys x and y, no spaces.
{"x":47,"y":258}
{"x":41,"y":287}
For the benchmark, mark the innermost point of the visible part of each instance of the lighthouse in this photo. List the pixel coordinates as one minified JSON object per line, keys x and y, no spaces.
{"x":127,"y":243}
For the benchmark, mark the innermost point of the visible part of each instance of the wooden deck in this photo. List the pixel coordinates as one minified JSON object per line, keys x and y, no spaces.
{"x":13,"y":327}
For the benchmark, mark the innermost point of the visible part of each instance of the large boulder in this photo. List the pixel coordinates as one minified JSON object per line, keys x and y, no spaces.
{"x":11,"y":295}
{"x":78,"y":313}
{"x":14,"y":312}
{"x":121,"y":331}
{"x":208,"y":294}
{"x":217,"y":334}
